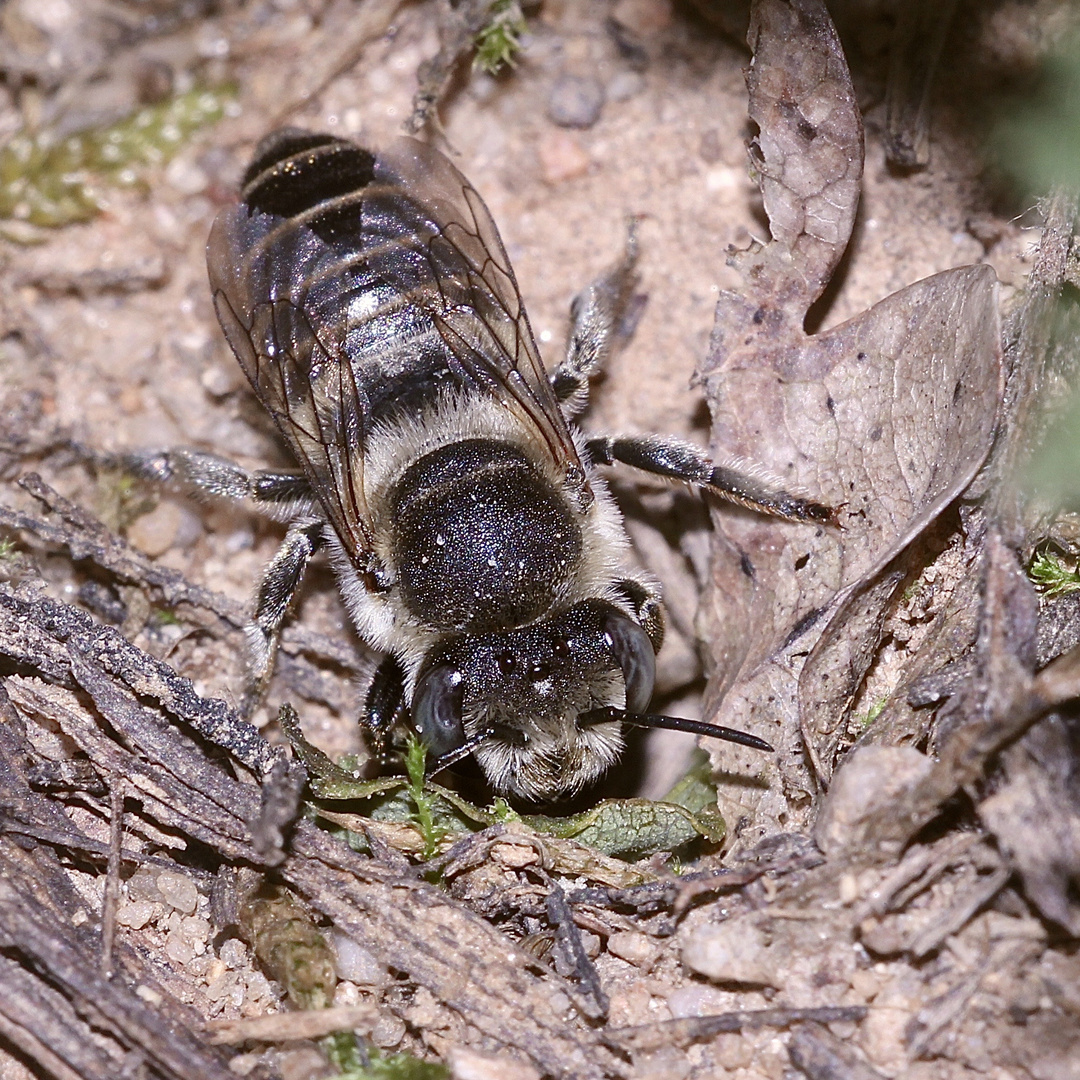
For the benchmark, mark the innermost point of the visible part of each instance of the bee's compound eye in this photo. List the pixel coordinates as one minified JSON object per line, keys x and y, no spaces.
{"x":437,"y":709}
{"x":633,"y":652}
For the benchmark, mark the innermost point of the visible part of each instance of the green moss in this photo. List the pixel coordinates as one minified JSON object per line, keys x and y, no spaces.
{"x":1038,"y":136}
{"x":51,"y":182}
{"x":1051,"y":576}
{"x":500,"y":39}
{"x":289,"y":946}
{"x":872,"y":713}
{"x":423,"y":801}
{"x":357,"y":1064}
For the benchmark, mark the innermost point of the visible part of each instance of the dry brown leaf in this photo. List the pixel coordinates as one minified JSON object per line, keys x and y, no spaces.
{"x":886,"y":417}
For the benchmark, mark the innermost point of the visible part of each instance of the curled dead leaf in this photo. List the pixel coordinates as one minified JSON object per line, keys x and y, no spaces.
{"x":886,"y":418}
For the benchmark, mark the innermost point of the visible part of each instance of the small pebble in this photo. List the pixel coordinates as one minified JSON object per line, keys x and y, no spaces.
{"x":185,"y":177}
{"x":625,"y":85}
{"x":849,"y":888}
{"x":355,"y":963}
{"x":869,"y":780}
{"x":305,"y":1062}
{"x":156,"y":532}
{"x":178,"y":891}
{"x":632,"y":946}
{"x":243,"y":1064}
{"x":148,"y":994}
{"x":733,"y":952}
{"x":196,"y":932}
{"x":179,"y":951}
{"x":219,"y":381}
{"x":135,"y":916}
{"x":644,"y":17}
{"x":468,"y":1064}
{"x":388,"y":1031}
{"x":233,"y":953}
{"x":576,"y":101}
{"x":694,"y":999}
{"x":142,"y":885}
{"x":561,"y":157}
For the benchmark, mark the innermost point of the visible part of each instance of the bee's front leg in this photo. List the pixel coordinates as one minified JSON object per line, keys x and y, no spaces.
{"x":384,"y":706}
{"x":738,"y":481}
{"x":276,"y":592}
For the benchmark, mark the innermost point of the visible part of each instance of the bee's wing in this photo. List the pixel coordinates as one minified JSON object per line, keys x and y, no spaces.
{"x":338,"y":265}
{"x":306,"y":384}
{"x":475,"y":301}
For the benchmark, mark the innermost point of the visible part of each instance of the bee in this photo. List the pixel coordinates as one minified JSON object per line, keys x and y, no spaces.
{"x":370,"y":302}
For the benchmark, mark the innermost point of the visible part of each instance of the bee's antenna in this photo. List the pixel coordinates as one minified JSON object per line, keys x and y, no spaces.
{"x":672,"y":723}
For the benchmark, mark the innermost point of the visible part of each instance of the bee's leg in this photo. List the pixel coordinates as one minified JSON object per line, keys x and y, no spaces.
{"x":648,"y":608}
{"x":276,"y":592}
{"x":208,"y":474}
{"x":738,"y":482}
{"x":385,"y":703}
{"x":596,"y":314}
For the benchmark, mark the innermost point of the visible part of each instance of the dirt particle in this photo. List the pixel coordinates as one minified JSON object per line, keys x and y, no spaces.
{"x":575,"y":101}
{"x":561,"y":157}
{"x":709,"y":149}
{"x":625,"y":85}
{"x":644,"y":17}
{"x":156,"y":532}
{"x":515,"y":856}
{"x":633,"y":947}
{"x":178,"y":891}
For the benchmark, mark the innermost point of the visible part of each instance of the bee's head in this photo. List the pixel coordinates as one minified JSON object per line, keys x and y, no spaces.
{"x":517,"y":699}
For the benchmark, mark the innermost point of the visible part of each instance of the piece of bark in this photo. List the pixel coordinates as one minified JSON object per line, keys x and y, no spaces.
{"x":466,"y":964}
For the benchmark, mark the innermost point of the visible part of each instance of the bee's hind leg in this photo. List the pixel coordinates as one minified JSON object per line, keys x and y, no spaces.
{"x":597,"y":314}
{"x":209,"y":475}
{"x":738,"y":481}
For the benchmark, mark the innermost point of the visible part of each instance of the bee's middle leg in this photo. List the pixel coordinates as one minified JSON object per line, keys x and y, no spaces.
{"x":277,"y":591}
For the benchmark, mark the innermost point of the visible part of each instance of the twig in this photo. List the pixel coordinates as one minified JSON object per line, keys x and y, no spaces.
{"x":686,"y":1030}
{"x":285,"y":1027}
{"x":112,"y":875}
{"x":568,"y":941}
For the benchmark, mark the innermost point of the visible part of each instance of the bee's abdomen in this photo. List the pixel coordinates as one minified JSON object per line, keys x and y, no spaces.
{"x":483,"y":542}
{"x":295,"y":172}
